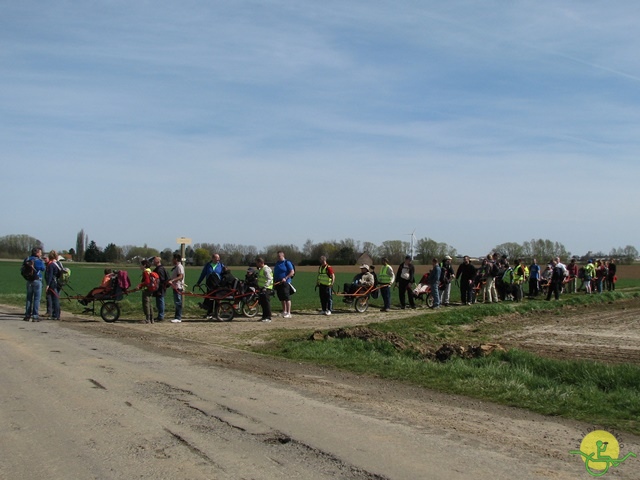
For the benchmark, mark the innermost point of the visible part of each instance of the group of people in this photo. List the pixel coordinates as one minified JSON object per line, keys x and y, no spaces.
{"x":154,"y":284}
{"x":493,"y":281}
{"x":48,"y":269}
{"x":496,"y":280}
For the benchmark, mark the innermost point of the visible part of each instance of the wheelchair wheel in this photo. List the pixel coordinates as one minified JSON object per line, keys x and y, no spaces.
{"x":250,"y":306}
{"x":225,"y":311}
{"x":110,"y":312}
{"x":428,"y":300}
{"x":361,"y":304}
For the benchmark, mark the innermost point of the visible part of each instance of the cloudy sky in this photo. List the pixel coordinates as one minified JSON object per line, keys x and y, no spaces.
{"x":250,"y":122}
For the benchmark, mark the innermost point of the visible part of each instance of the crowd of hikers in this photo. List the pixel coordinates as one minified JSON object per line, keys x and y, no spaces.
{"x":495,"y":279}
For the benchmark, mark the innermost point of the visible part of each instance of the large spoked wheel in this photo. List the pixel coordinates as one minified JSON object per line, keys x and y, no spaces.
{"x":110,"y":311}
{"x":361,"y":304}
{"x":225,"y":311}
{"x":250,"y":306}
{"x":428,"y":301}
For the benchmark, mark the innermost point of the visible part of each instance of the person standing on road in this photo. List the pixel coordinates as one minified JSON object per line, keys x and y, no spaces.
{"x":534,"y":279}
{"x":572,"y":282}
{"x":177,"y":283}
{"x":465,"y":275}
{"x":386,"y":277}
{"x":326,"y":279}
{"x":264,"y":278}
{"x":611,"y":275}
{"x":433,"y":280}
{"x":52,"y":273}
{"x":144,"y":285}
{"x":162,"y":287}
{"x":557,"y":280}
{"x":405,"y":277}
{"x":34,"y":285}
{"x":283,"y":271}
{"x":447,"y":274}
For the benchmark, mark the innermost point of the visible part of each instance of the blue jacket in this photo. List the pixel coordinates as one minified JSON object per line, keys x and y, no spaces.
{"x":38,"y":264}
{"x":208,"y":269}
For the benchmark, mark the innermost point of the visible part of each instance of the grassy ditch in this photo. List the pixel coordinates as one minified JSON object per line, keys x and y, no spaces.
{"x":598,"y":393}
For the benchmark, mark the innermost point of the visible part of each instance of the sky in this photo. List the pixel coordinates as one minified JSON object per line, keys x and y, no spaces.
{"x":259,"y":123}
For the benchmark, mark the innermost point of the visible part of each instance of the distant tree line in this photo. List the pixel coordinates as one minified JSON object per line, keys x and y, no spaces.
{"x":339,"y":252}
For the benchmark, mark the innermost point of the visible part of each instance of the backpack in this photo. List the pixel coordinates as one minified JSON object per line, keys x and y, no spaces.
{"x":28,"y":270}
{"x":154,"y":282}
{"x":62,"y":274}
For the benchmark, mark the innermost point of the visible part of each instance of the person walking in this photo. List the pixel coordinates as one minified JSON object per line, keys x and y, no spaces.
{"x":162,"y":287}
{"x":386,"y":277}
{"x":325,"y":280}
{"x":405,"y":277}
{"x":32,"y":269}
{"x":283,"y":272}
{"x":264,"y":278}
{"x":177,"y":283}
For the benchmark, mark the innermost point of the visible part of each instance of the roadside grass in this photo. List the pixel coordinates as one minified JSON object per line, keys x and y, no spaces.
{"x":583,"y":390}
{"x":593,"y":392}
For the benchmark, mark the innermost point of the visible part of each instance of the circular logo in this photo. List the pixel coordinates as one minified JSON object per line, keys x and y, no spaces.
{"x":599,"y":445}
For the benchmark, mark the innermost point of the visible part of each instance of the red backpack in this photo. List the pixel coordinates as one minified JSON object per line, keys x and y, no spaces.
{"x":154,"y":282}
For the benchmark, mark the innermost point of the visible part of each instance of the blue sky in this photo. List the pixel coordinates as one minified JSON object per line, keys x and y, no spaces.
{"x":474,"y":123}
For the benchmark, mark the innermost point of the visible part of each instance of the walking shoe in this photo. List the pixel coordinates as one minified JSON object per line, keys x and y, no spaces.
{"x":328,"y":312}
{"x":26,"y":318}
{"x":266,"y":320}
{"x":176,"y":320}
{"x":287,"y":315}
{"x":322,"y":312}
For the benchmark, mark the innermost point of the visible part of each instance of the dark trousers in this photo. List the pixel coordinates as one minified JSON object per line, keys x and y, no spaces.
{"x":404,"y":288}
{"x":385,"y":293}
{"x":554,"y":288}
{"x":534,"y":288}
{"x":264,"y":299}
{"x":466,"y":292}
{"x":325,"y":297}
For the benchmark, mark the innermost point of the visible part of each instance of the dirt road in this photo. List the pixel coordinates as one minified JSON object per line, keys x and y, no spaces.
{"x":85,"y":399}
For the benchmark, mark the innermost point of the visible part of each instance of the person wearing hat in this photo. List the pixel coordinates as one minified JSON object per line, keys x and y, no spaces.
{"x":446,"y":275}
{"x":405,"y":277}
{"x":363,"y":279}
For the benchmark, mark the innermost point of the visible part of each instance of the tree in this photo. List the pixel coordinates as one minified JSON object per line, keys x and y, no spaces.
{"x":543,"y":250}
{"x":93,"y":253}
{"x":80,"y":246}
{"x":291,"y":252}
{"x":141,"y":252}
{"x":394,"y":250}
{"x":201,"y":256}
{"x":113,"y":254}
{"x":18,"y":246}
{"x":428,"y":249}
{"x":512,"y":250}
{"x":372,"y":249}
